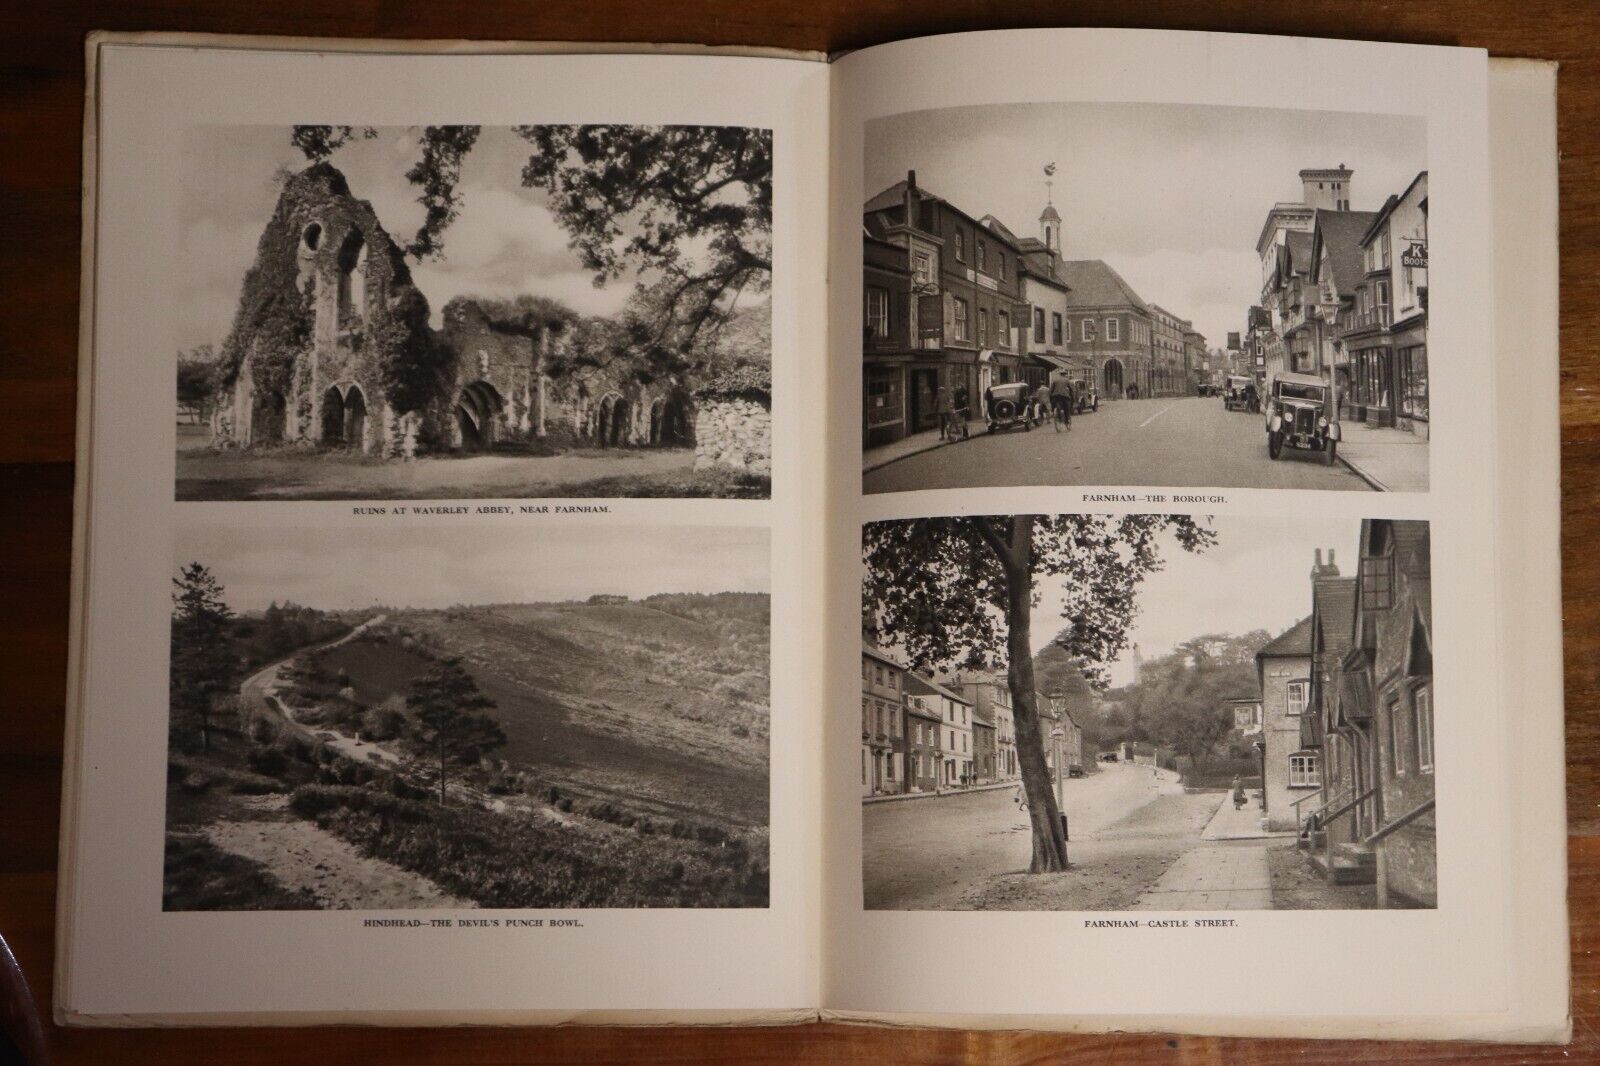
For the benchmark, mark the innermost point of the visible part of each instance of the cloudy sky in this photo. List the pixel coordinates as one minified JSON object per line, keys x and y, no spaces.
{"x":1257,"y":576}
{"x":1171,"y":196}
{"x":505,"y":241}
{"x":401,"y":562}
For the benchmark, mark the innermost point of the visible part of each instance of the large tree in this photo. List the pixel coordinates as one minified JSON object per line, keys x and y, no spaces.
{"x":963,"y":589}
{"x":1180,"y":699}
{"x":687,"y":210}
{"x":203,"y":664}
{"x":449,"y":710}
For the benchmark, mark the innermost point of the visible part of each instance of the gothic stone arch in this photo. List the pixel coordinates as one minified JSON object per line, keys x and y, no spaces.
{"x":477,"y":407}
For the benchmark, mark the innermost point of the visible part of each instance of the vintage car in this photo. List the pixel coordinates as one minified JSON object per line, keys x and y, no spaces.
{"x":1011,"y":404}
{"x":1235,"y":392}
{"x":1300,"y":413}
{"x":1085,"y":397}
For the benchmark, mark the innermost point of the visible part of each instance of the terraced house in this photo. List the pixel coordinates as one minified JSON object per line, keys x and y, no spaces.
{"x":962,"y":308}
{"x":1372,"y":719}
{"x":883,"y":741}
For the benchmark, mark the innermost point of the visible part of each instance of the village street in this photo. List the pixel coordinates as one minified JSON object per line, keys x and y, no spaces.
{"x":1188,"y":441}
{"x":1128,"y":823}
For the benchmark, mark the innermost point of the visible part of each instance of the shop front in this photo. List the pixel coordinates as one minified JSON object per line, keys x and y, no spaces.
{"x":1410,"y":340}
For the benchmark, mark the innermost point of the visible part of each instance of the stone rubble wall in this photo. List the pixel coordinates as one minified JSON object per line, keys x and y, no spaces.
{"x":733,"y":432}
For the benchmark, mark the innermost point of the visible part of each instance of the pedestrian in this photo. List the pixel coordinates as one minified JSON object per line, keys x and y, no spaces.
{"x":1041,"y":403}
{"x":988,"y":405}
{"x":946,"y":409}
{"x":1238,"y":792}
{"x":1020,"y":798}
{"x":963,"y":409}
{"x":1062,"y":401}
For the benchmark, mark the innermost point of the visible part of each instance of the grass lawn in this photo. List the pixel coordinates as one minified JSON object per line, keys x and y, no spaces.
{"x":292,"y":473}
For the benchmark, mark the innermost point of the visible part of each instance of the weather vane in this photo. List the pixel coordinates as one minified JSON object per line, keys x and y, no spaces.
{"x":1049,"y":175}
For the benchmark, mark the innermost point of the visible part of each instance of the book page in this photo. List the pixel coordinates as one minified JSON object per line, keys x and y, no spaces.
{"x":1176,"y":484}
{"x":440,"y":646}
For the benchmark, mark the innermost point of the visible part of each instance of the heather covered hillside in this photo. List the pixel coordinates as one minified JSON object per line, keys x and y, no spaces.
{"x":662,"y":701}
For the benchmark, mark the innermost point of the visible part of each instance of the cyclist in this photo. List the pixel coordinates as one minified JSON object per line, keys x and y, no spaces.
{"x":1062,"y":401}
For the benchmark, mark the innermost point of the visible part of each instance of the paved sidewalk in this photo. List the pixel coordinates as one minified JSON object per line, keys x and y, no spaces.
{"x":928,"y":439}
{"x":1390,"y":460}
{"x":1214,"y":877}
{"x":1243,"y":823}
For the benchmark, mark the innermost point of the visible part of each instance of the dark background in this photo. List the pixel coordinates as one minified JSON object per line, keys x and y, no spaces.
{"x":41,"y":114}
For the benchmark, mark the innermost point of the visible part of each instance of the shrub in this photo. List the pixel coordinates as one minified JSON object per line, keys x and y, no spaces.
{"x":383,"y":723}
{"x":267,"y":760}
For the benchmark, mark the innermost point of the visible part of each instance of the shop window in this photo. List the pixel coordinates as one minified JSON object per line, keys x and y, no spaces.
{"x":1412,"y":366}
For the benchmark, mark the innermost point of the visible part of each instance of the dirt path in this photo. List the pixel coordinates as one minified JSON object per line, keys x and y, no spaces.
{"x":302,"y":856}
{"x":262,"y":687}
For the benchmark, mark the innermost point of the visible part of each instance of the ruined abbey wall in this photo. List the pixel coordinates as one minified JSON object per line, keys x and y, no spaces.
{"x":331,"y":346}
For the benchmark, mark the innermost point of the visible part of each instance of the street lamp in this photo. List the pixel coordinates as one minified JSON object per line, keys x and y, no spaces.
{"x":1056,"y":734}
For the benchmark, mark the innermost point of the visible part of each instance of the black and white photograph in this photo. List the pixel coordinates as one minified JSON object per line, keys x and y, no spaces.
{"x":412,"y":720}
{"x":1145,"y":295}
{"x":450,"y":312}
{"x":1147,"y":712}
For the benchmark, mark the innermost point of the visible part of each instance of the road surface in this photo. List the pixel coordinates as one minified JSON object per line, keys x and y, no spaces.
{"x":952,"y":852}
{"x":1183,"y":442}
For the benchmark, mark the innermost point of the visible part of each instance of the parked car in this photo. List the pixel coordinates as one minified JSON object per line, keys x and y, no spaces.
{"x":1085,"y":396}
{"x":1236,"y":392}
{"x":1300,"y":414}
{"x":1011,"y":404}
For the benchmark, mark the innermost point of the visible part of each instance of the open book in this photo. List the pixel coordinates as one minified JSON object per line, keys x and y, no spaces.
{"x":495,"y":463}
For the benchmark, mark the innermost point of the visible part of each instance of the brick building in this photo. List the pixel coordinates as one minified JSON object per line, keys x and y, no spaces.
{"x":990,"y":695}
{"x":1291,"y":772}
{"x":963,"y":309}
{"x":924,"y":716}
{"x":954,"y":742}
{"x":883,"y":742}
{"x":1372,"y":717}
{"x":1110,"y":327}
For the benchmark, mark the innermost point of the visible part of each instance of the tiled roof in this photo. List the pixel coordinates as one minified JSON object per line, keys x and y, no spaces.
{"x":1299,"y":245}
{"x":919,"y":682}
{"x":1296,"y":641}
{"x":893,"y":196}
{"x":1093,"y":283}
{"x":878,"y":653}
{"x":1341,"y":235}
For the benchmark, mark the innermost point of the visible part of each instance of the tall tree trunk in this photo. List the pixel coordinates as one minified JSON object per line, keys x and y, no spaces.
{"x":1049,"y":842}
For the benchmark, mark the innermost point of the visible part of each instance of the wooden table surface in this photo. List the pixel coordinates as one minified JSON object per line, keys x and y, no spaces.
{"x":41,"y":89}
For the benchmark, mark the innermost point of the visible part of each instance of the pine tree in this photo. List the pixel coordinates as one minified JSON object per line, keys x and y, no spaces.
{"x":448,"y":706}
{"x":203,"y":665}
